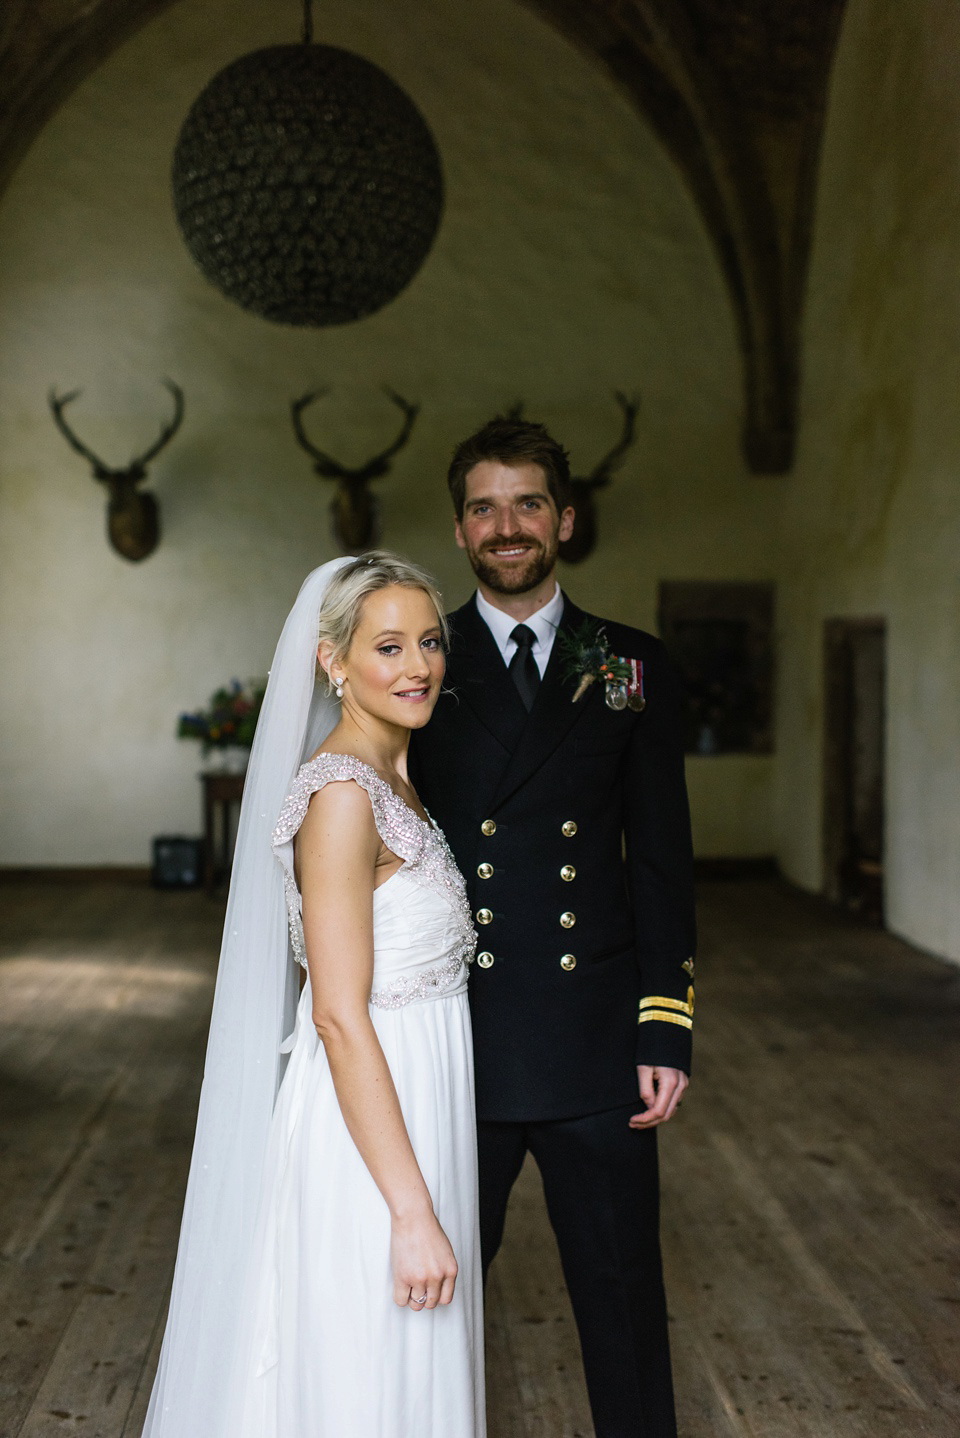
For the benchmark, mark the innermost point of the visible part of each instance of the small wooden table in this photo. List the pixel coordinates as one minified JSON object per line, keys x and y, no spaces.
{"x":220,"y":791}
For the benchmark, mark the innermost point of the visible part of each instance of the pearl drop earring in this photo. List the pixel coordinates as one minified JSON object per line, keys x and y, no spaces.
{"x":339,"y":683}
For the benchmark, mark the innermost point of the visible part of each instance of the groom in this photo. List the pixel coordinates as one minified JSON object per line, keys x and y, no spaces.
{"x":569,"y":820}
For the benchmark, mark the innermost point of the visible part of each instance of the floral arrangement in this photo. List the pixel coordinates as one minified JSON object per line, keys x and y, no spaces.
{"x":230,"y":717}
{"x":587,"y":657}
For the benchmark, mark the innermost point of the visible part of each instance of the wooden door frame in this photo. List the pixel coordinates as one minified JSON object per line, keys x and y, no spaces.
{"x":836,"y":707}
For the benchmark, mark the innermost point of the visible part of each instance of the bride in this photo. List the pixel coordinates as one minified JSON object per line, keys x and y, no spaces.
{"x":328,"y":1282}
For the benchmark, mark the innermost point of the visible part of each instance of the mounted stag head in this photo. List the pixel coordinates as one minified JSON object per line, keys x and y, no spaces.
{"x":354,"y":507}
{"x":584,"y":487}
{"x":133,"y":519}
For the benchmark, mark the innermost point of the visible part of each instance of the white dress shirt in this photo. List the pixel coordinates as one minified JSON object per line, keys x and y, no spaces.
{"x":544,"y":625}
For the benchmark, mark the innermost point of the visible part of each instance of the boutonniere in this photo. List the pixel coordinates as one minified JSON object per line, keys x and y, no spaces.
{"x":587,"y":658}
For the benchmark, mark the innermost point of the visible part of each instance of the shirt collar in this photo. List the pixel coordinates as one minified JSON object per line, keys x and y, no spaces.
{"x":544,"y":622}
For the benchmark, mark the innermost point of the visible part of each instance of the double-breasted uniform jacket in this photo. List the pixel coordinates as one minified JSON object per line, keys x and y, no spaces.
{"x":571,"y":827}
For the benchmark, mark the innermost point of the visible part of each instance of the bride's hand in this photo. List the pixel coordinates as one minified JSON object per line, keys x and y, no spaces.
{"x":422,"y":1262}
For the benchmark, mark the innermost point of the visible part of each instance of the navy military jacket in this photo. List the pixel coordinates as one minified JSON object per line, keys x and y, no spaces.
{"x":572,"y":829}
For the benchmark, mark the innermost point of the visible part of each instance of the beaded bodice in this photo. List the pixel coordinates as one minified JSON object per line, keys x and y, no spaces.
{"x":423,"y":930}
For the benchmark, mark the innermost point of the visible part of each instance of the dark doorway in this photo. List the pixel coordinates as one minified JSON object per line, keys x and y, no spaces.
{"x":853,"y":770}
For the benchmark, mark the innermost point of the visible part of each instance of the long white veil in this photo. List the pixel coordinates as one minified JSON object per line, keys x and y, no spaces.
{"x":253,"y":1009}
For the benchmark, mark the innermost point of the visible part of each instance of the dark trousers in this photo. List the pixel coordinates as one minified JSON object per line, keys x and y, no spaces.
{"x":601,"y":1183}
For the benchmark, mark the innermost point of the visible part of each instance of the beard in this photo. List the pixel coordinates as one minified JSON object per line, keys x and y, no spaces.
{"x":513,"y":578}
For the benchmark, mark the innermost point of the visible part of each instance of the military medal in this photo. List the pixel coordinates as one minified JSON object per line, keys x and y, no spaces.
{"x":635,"y":696}
{"x":627,"y":693}
{"x":616,"y":695}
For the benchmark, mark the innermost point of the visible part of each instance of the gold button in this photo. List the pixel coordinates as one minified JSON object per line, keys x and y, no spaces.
{"x":485,"y":871}
{"x":568,"y":829}
{"x":567,"y":919}
{"x":488,"y":827}
{"x":485,"y":960}
{"x":484,"y":916}
{"x":568,"y":872}
{"x":568,"y":962}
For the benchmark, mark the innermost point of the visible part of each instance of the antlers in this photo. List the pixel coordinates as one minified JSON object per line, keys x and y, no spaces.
{"x":137,"y":467}
{"x":602,"y":473}
{"x":331,"y":468}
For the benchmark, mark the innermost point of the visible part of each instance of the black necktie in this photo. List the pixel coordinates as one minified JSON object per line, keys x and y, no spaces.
{"x":523,"y":666}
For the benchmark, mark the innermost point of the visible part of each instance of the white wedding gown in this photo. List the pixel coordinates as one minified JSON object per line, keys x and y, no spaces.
{"x":324,"y":1350}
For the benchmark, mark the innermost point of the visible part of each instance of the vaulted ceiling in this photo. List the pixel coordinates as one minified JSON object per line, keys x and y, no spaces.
{"x":735,"y":89}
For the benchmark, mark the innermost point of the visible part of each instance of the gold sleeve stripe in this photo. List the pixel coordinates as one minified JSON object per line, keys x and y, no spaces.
{"x":680,"y":1019}
{"x":677,"y":1004}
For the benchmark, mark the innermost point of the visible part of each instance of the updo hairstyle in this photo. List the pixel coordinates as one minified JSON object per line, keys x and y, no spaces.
{"x":349,"y":587}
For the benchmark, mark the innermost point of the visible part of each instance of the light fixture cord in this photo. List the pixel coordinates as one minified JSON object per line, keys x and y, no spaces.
{"x":307,"y":22}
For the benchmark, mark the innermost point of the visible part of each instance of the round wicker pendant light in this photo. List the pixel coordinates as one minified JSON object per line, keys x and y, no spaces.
{"x":306,"y":184}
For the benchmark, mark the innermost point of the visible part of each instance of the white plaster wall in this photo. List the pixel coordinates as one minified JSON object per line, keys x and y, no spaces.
{"x":571,"y":262}
{"x":871,"y":522}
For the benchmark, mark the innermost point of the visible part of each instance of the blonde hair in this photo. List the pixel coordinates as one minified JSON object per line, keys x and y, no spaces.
{"x":349,"y":587}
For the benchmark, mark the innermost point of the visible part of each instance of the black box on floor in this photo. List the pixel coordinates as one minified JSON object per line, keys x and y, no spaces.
{"x":177,"y":862}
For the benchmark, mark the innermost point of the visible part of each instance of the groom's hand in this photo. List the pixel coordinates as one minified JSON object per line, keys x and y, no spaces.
{"x":661,"y":1090}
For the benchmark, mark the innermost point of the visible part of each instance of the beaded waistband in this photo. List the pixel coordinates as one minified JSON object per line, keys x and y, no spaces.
{"x":435,"y":983}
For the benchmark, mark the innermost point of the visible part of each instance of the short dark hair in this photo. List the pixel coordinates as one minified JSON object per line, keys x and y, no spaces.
{"x":512,"y":442}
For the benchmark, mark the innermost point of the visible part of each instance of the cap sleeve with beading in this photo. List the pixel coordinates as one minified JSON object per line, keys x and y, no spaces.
{"x":398,"y":826}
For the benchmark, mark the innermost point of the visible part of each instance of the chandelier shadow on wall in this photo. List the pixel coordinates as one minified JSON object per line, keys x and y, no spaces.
{"x":306,"y":183}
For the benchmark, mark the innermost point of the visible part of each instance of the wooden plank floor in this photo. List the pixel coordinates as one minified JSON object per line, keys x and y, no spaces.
{"x":810,"y":1184}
